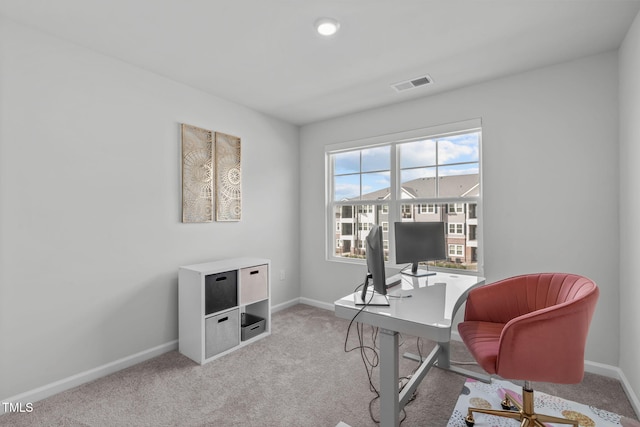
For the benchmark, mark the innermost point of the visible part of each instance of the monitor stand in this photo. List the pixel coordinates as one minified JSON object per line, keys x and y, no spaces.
{"x":417,"y":272}
{"x":371,"y":298}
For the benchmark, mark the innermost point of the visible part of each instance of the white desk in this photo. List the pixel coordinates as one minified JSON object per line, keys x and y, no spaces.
{"x":428,"y":313}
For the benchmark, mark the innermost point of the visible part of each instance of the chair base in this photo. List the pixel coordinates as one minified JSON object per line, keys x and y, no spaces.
{"x":524,"y":412}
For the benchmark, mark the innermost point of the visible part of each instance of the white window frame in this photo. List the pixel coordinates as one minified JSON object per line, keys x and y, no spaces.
{"x":392,"y":205}
{"x":429,"y":208}
{"x":410,"y":213}
{"x":456,"y":226}
{"x":456,"y":208}
{"x":458,"y":250}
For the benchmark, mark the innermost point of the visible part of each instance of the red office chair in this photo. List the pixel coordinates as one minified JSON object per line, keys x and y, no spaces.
{"x":533,"y":328}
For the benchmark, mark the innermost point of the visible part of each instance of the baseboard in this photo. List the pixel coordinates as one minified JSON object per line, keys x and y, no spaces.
{"x":599,"y":368}
{"x":315,"y":303}
{"x":90,"y":375}
{"x":306,"y":301}
{"x":591,"y":367}
{"x":282,"y":306}
{"x":633,"y":398}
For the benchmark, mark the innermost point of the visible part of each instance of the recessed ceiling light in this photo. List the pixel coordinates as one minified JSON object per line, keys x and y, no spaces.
{"x":327,"y":26}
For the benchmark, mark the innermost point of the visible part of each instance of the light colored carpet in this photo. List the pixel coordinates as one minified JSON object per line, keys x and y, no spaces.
{"x":298,"y":376}
{"x":478,"y":394}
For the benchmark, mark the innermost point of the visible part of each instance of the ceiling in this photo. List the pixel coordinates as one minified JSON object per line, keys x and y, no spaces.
{"x":265,"y":54}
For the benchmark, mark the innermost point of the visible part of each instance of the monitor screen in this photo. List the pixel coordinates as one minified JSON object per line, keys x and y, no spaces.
{"x":419,"y":242}
{"x":375,"y":259}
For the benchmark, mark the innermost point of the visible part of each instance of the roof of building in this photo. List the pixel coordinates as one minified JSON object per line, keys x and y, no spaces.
{"x":425,"y":188}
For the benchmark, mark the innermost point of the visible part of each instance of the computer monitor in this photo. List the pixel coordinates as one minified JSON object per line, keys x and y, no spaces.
{"x":375,"y":265}
{"x":419,"y":242}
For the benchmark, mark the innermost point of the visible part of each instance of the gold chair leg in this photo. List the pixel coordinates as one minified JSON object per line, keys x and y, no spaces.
{"x":525,"y":413}
{"x":497,"y":412}
{"x":551,"y":419}
{"x":510,"y":401}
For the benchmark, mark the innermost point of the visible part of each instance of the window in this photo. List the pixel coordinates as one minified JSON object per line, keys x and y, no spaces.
{"x":456,"y":208}
{"x":346,"y":211}
{"x":407,"y":211}
{"x":456,"y":228}
{"x":473,"y":232}
{"x":364,"y":226}
{"x":428,"y":208}
{"x":347,"y":228}
{"x":422,"y":175}
{"x":456,"y":250}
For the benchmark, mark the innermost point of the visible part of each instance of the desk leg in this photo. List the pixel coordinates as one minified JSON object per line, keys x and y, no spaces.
{"x":444,"y":356}
{"x":440,"y":358}
{"x":389,"y":404}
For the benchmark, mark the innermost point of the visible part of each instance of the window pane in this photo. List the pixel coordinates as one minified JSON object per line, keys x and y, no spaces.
{"x":376,"y":159}
{"x":418,"y":153}
{"x":344,"y":163}
{"x":459,"y":181}
{"x":346,"y":187}
{"x":464,"y":169}
{"x":418,"y":183}
{"x":458,"y":217}
{"x":459,"y":148}
{"x":375,"y":186}
{"x":352,"y":230}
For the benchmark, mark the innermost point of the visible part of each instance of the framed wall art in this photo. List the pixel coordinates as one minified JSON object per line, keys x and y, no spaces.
{"x":197,"y":174}
{"x":228,"y":177}
{"x":211,"y":175}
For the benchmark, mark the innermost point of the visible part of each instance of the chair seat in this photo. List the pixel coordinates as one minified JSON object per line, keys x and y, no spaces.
{"x":483,"y":340}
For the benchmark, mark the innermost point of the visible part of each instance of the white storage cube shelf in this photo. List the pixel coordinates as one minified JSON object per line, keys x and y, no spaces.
{"x":212,"y":298}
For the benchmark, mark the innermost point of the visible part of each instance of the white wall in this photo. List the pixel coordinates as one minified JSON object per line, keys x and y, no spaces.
{"x":90,"y":216}
{"x":630,"y":205}
{"x":550,"y":161}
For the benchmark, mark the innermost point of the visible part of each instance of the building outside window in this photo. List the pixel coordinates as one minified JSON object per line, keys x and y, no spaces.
{"x":429,"y":177}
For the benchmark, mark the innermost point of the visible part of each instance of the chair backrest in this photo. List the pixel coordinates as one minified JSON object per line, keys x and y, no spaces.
{"x":547,"y":318}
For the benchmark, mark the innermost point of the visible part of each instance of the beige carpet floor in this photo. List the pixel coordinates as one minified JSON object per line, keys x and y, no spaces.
{"x":298,"y":376}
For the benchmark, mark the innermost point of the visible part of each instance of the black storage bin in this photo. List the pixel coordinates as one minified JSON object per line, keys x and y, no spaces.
{"x":220,"y":291}
{"x":250,"y":326}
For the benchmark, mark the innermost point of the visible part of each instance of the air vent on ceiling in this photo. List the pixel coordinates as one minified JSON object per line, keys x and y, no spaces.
{"x":413,"y":83}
